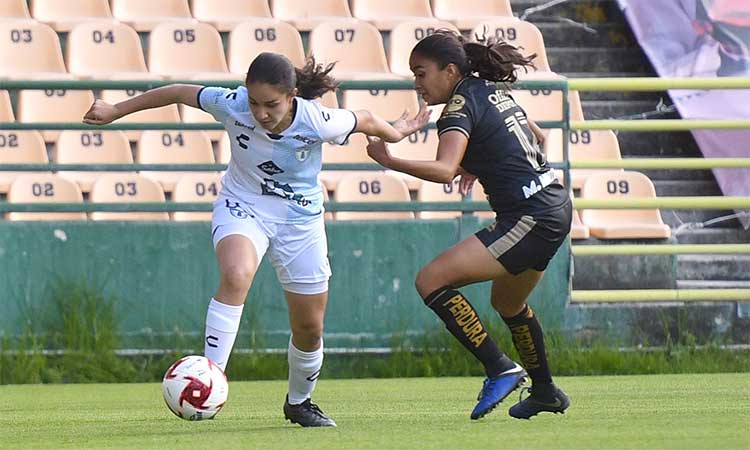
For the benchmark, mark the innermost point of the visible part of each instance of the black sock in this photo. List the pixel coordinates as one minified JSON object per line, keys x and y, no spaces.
{"x":528,"y":339}
{"x":462,"y":320}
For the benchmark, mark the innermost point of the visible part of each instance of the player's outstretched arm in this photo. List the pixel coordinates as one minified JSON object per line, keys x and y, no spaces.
{"x":102,"y":113}
{"x":372,"y":125}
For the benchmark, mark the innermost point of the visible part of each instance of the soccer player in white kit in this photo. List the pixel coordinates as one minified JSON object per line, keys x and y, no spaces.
{"x":271,"y":202}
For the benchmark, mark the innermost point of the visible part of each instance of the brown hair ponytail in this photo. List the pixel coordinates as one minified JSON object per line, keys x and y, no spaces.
{"x":312,"y":80}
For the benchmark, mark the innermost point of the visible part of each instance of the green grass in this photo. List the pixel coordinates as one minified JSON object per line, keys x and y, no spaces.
{"x":622,"y":412}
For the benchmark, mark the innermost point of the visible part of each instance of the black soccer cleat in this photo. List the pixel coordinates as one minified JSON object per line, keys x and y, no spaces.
{"x":307,"y":414}
{"x":553,"y":400}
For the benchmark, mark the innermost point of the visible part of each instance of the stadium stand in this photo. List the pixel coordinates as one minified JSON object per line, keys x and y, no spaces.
{"x":583,"y":145}
{"x":578,"y":230}
{"x":388,"y":104}
{"x":178,"y":49}
{"x":29,"y":49}
{"x":44,"y":188}
{"x":465,"y":14}
{"x":386,"y":14}
{"x":17,"y":147}
{"x":366,"y":186}
{"x":305,"y":15}
{"x":405,"y":35}
{"x":53,"y":105}
{"x":438,"y":192}
{"x":478,"y":195}
{"x":421,"y":145}
{"x":519,"y":33}
{"x":62,"y":16}
{"x":354,"y":151}
{"x":172,"y":147}
{"x":144,"y":15}
{"x":91,"y":147}
{"x":264,"y":35}
{"x":6,"y":108}
{"x":224,"y":15}
{"x":355,"y":46}
{"x":622,"y":224}
{"x":14,"y":9}
{"x":126,"y":188}
{"x":195,"y":187}
{"x":104,"y":49}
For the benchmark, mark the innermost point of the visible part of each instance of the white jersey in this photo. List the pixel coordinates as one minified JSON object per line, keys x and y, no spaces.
{"x":276,"y":174}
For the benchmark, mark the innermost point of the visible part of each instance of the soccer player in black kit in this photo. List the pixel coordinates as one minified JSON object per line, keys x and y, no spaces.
{"x":485,"y":135}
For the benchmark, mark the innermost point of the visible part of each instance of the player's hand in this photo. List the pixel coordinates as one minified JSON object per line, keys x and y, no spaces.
{"x":378,"y":151}
{"x":466,"y":181}
{"x":407,"y":126}
{"x":101,"y":113}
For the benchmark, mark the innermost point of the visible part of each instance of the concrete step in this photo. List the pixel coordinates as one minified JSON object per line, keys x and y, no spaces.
{"x":713,"y":267}
{"x":574,"y":34}
{"x":588,"y":11}
{"x":678,"y":219}
{"x":719,"y":234}
{"x":619,"y":109}
{"x":670,"y":188}
{"x":640,"y":144}
{"x":713,"y":284}
{"x":680,"y":175}
{"x":598,"y":59}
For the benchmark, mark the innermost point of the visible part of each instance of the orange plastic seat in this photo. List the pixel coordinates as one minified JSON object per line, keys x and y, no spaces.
{"x":466,"y":14}
{"x":421,"y":146}
{"x":438,"y":192}
{"x":195,"y":188}
{"x":578,"y":230}
{"x":64,"y":15}
{"x":388,"y":104}
{"x":386,"y":14}
{"x":53,"y":105}
{"x":144,"y":15}
{"x":622,"y":223}
{"x":178,"y":49}
{"x":6,"y":108}
{"x":224,"y":15}
{"x":173,"y":147}
{"x":355,"y":46}
{"x":518,"y":33}
{"x":126,"y":188}
{"x":583,"y":145}
{"x":307,"y":15}
{"x":14,"y":9}
{"x":91,"y":147}
{"x":28,"y":48}
{"x":365,"y":186}
{"x":103,"y":49}
{"x":44,"y":188}
{"x":19,"y":147}
{"x":478,"y":195}
{"x":405,"y":35}
{"x":252,"y":37}
{"x":354,"y":151}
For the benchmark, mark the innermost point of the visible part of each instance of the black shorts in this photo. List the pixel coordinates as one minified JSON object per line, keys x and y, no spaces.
{"x":525,"y":241}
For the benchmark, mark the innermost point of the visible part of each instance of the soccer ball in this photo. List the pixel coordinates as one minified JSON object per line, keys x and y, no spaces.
{"x":195,"y":388}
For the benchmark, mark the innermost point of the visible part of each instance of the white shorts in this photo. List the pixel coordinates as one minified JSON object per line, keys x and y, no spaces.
{"x":298,"y":252}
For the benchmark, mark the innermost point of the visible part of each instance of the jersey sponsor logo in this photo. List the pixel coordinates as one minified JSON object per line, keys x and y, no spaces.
{"x":544,"y":180}
{"x":270,"y":168}
{"x":501,"y":100}
{"x":283,"y":190}
{"x":304,"y":139}
{"x":237,"y":211}
{"x":210,"y":341}
{"x":237,"y":123}
{"x":314,"y":376}
{"x":456,"y":103}
{"x":302,"y":154}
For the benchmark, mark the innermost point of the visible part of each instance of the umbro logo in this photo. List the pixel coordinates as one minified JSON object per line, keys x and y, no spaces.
{"x":304,"y":139}
{"x":313,"y":377}
{"x":237,"y":123}
{"x":270,"y":168}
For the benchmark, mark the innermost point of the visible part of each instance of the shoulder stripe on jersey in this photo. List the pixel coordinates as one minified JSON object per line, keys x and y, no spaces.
{"x":199,"y":97}
{"x":456,"y":129}
{"x":354,"y":127}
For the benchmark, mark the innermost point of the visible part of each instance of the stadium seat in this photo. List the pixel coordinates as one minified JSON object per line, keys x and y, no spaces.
{"x":540,"y":104}
{"x":18,"y":147}
{"x":578,"y":230}
{"x":224,"y":15}
{"x":622,"y":223}
{"x":355,"y":46}
{"x":6,"y":108}
{"x":478,"y":195}
{"x":329,"y":100}
{"x":177,"y":49}
{"x":386,"y":14}
{"x":44,"y":188}
{"x":144,"y":15}
{"x":91,"y":147}
{"x":421,"y":146}
{"x":197,"y":115}
{"x":354,"y":151}
{"x":126,"y":188}
{"x":224,"y":149}
{"x":518,"y":33}
{"x":405,"y":36}
{"x":583,"y":145}
{"x":53,"y":105}
{"x":195,"y":188}
{"x":438,"y":192}
{"x":169,"y":113}
{"x":14,"y":9}
{"x":172,"y":147}
{"x":28,"y":48}
{"x":62,"y":16}
{"x":328,"y":215}
{"x":388,"y":104}
{"x":364,"y":186}
{"x":466,"y":14}
{"x":255,"y":36}
{"x":103,"y":49}
{"x":306,"y":15}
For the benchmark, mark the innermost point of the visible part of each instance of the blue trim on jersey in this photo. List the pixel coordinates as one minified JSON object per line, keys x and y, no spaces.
{"x":353,"y":128}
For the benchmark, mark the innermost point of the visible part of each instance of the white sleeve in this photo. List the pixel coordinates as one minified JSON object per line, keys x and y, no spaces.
{"x":216,"y":101}
{"x":333,"y":125}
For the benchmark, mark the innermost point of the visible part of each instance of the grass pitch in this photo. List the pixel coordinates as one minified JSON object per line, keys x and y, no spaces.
{"x":683,"y":412}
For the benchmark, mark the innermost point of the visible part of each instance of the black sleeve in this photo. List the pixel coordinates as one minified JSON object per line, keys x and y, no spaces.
{"x":458,"y":115}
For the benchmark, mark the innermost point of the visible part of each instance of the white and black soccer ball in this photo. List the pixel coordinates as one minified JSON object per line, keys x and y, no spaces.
{"x":195,"y":388}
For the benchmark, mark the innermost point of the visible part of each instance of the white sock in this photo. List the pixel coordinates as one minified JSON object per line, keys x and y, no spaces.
{"x":304,"y":370}
{"x":222,"y":323}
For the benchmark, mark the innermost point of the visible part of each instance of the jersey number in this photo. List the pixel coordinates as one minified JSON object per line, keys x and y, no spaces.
{"x":533,"y":155}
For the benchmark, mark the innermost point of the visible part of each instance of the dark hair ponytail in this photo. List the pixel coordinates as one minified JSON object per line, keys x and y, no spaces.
{"x":489,"y":58}
{"x":311,"y":81}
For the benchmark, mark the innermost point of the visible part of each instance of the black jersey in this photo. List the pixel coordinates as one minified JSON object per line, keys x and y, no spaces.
{"x":502,"y":151}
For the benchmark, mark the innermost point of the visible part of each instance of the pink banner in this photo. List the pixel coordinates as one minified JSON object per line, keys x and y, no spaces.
{"x":702,"y":38}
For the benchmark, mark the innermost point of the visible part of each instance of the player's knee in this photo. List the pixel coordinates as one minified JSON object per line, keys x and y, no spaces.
{"x":427,"y":281}
{"x":308,"y":331}
{"x":237,"y":277}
